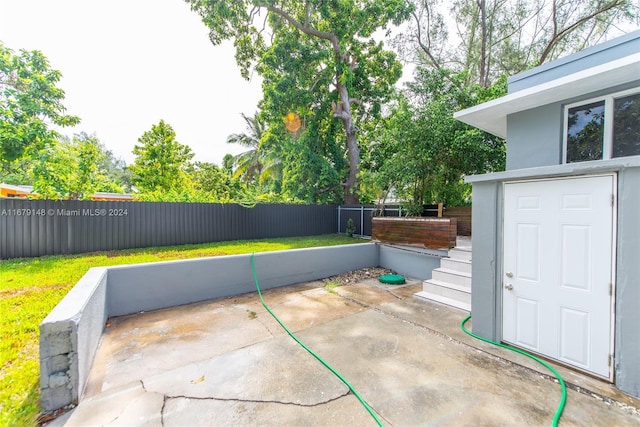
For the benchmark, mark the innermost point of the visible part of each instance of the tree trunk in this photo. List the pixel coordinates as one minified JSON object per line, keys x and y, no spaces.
{"x":483,"y":78}
{"x":342,"y":111}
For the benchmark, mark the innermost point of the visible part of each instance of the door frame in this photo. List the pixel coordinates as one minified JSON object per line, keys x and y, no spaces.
{"x":612,"y":289}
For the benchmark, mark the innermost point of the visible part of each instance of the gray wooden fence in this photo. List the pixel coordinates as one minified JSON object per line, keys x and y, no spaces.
{"x":31,"y":228}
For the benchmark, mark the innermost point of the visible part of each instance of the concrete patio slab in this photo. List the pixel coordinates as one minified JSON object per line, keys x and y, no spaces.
{"x":227,"y":362}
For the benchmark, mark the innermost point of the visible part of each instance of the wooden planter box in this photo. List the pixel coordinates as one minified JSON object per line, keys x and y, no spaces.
{"x":432,"y":233}
{"x":463,"y":215}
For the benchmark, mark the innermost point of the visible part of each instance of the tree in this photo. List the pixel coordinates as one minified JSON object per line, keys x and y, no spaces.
{"x":227,"y":163}
{"x":335,"y":32}
{"x":508,"y":36}
{"x":255,"y":165}
{"x":424,"y":152}
{"x":161,"y":161}
{"x":209,"y":178}
{"x":30,"y":102}
{"x":71,"y":169}
{"x":116,"y":170}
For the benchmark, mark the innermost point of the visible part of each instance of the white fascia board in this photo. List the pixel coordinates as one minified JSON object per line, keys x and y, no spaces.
{"x":492,"y":116}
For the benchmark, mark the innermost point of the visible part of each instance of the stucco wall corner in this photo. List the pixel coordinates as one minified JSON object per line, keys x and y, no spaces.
{"x":58,"y":364}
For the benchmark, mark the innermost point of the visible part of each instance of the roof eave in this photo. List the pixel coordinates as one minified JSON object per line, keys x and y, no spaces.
{"x":492,"y":116}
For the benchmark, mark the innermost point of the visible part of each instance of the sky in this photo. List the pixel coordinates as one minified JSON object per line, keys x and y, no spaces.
{"x":127,"y":64}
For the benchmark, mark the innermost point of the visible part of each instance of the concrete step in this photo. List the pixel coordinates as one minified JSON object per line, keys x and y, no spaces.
{"x":449,"y":290}
{"x":456,"y":264}
{"x":463,"y":241}
{"x":460,"y":253}
{"x":444,"y":300}
{"x":428,"y":284}
{"x":452,"y":276}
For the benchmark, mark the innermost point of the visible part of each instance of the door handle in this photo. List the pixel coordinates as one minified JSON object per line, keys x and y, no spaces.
{"x":509,"y":274}
{"x":508,"y":286}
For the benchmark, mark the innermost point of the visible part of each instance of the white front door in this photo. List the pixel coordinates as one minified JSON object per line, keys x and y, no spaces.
{"x":557,"y":279}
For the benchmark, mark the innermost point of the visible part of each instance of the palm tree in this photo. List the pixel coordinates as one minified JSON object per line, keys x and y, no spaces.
{"x":254,"y":164}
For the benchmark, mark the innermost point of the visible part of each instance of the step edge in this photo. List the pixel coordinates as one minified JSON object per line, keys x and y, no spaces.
{"x":443,"y":300}
{"x":448,"y":285}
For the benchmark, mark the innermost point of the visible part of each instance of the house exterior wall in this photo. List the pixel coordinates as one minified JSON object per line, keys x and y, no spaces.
{"x":485,"y":273}
{"x":535,"y":136}
{"x":532,"y":118}
{"x":487,"y":256}
{"x":627,"y":335}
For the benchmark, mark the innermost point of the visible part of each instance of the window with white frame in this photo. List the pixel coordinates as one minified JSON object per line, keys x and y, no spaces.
{"x":603,"y":128}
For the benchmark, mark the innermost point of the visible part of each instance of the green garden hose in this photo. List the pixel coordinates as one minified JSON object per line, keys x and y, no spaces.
{"x":563,"y":400}
{"x":329,"y":367}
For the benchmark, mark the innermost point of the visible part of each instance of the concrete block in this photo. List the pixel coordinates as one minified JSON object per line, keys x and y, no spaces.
{"x":44,"y":373}
{"x":55,"y":398}
{"x":60,"y":379}
{"x":59,"y":363}
{"x":55,"y":339}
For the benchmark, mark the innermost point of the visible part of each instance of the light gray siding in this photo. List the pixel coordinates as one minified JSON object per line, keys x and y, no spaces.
{"x":627,"y":327}
{"x":535,"y":137}
{"x":486,"y":242}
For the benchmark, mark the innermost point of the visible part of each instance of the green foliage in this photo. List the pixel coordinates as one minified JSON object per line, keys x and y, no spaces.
{"x":17,"y":172}
{"x":161,"y":162}
{"x":227,"y":163}
{"x":209,"y":178}
{"x":71,"y":169}
{"x":351,"y":228}
{"x":312,"y":168}
{"x":116,"y":171}
{"x":29,"y":102}
{"x":184,"y":194}
{"x":424,"y":152}
{"x":316,"y":166}
{"x":497,"y":37}
{"x":321,"y":63}
{"x":256,"y":165}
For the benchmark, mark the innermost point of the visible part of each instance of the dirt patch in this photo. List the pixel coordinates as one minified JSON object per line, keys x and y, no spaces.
{"x":9,"y":293}
{"x":357,"y":276}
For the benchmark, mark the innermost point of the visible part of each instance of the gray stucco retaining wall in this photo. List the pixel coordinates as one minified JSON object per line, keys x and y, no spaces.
{"x":70,"y":334}
{"x":152,"y":286}
{"x":409,"y":261}
{"x":69,"y":337}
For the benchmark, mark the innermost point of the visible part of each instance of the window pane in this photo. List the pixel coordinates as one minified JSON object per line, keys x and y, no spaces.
{"x":585,"y":132}
{"x":626,"y":126}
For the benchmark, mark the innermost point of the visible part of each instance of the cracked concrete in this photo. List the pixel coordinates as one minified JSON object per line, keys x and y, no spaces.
{"x":227,"y":362}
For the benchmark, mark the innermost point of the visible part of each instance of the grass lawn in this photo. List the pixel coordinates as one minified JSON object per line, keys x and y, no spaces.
{"x":30,"y":288}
